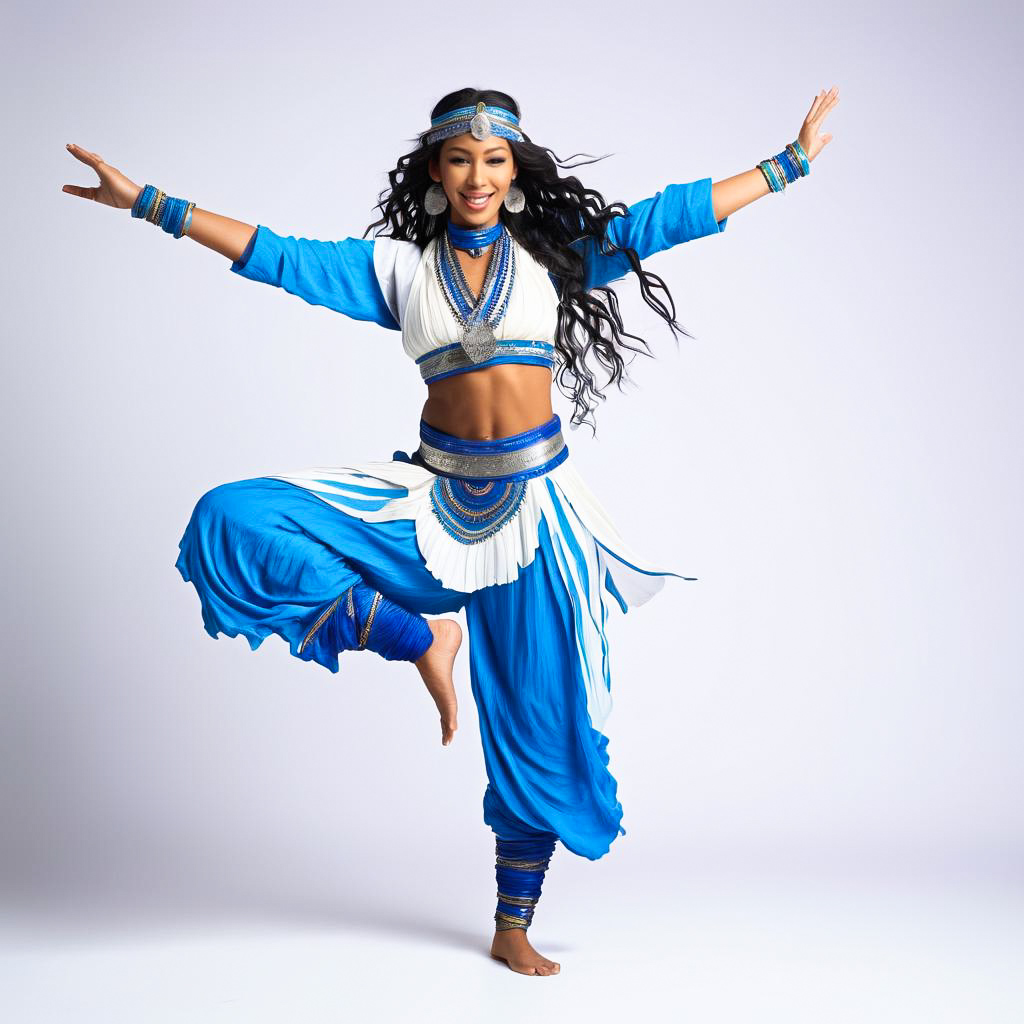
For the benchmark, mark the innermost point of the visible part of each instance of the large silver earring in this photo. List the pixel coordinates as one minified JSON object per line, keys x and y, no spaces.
{"x":435,"y":201}
{"x":515,"y":199}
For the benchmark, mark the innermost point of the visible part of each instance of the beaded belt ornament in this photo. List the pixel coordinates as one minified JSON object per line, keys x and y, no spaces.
{"x":481,"y":484}
{"x":473,"y":510}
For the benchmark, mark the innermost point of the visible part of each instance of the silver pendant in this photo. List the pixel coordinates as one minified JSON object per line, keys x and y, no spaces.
{"x":480,"y":125}
{"x":478,"y":341}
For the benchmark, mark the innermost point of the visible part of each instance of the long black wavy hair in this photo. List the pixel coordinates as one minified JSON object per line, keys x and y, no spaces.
{"x":559,"y":210}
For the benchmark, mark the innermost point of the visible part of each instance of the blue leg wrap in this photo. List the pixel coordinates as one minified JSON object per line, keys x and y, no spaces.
{"x":364,"y":619}
{"x":520,"y":865}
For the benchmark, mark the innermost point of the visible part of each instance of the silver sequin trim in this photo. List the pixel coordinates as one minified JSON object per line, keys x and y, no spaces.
{"x":483,"y":467}
{"x":316,"y":625}
{"x":457,"y":359}
{"x":369,"y":620}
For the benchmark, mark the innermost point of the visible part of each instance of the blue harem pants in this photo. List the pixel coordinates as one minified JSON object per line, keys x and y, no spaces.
{"x":266,"y":556}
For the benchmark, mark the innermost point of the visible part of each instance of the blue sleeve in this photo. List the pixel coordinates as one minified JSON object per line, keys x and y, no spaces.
{"x":678,"y":214}
{"x":338,"y":275}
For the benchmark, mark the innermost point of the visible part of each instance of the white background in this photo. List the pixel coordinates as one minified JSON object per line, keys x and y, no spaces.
{"x":821,"y":727}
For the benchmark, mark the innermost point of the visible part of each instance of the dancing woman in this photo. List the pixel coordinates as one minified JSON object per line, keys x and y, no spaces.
{"x":495,"y":271}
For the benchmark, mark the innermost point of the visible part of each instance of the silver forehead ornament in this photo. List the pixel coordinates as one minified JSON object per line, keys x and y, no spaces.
{"x":480,"y":125}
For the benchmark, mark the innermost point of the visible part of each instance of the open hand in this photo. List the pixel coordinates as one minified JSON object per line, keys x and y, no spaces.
{"x":114,"y":188}
{"x":812,"y":143}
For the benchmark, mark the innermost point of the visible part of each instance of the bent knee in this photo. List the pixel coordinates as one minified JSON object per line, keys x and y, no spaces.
{"x":228,"y":501}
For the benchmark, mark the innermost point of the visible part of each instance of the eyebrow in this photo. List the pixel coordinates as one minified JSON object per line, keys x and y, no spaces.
{"x":461,"y":149}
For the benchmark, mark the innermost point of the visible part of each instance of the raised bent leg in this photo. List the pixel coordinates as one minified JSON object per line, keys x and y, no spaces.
{"x":267,"y":556}
{"x":364,"y":619}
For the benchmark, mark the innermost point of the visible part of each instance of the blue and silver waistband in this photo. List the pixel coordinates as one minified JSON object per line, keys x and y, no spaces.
{"x":518,"y":457}
{"x":452,"y":359}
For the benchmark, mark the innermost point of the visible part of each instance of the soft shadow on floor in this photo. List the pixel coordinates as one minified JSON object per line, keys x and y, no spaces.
{"x":113,"y":916}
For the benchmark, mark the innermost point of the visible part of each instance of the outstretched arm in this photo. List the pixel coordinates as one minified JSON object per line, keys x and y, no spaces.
{"x":681,"y":213}
{"x":732,"y":194}
{"x":338,"y":275}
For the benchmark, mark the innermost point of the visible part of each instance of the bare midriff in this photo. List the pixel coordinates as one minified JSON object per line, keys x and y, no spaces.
{"x":490,"y":403}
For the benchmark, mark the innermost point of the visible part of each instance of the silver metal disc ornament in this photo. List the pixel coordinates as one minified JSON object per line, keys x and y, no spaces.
{"x":478,"y":341}
{"x":435,"y":201}
{"x":515,"y":199}
{"x":480,"y":125}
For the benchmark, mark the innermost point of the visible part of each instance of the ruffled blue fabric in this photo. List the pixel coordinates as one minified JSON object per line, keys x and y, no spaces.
{"x":266,"y":556}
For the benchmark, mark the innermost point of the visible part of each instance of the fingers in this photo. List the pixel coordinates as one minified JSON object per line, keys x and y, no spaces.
{"x":92,"y":159}
{"x":829,"y":100}
{"x":82,"y":191}
{"x":87,"y":157}
{"x":823,"y":102}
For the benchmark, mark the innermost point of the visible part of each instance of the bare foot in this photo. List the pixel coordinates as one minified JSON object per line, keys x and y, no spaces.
{"x":512,"y":946}
{"x":435,"y":666}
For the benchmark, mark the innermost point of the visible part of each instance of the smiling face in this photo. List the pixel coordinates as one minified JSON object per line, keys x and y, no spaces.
{"x":470,"y":168}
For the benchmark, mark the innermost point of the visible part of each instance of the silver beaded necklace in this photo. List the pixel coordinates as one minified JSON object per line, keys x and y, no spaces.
{"x":478,"y":316}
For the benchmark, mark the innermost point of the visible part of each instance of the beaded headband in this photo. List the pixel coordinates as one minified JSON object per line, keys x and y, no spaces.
{"x":480,"y":121}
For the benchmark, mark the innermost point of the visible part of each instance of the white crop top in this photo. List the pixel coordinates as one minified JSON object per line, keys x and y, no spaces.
{"x":430,"y":334}
{"x":392,"y":282}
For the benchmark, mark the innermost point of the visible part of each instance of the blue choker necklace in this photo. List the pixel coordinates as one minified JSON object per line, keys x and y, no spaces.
{"x":473,"y":240}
